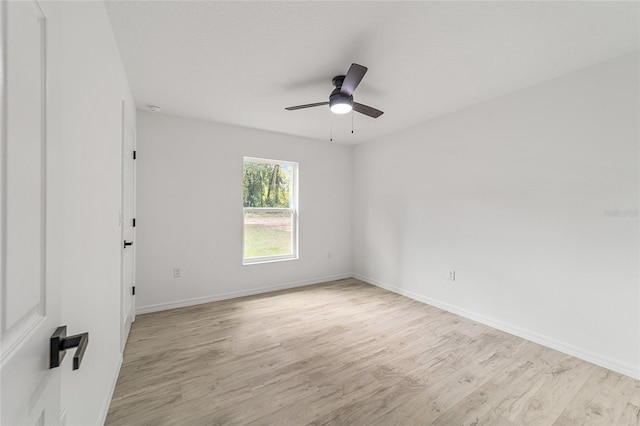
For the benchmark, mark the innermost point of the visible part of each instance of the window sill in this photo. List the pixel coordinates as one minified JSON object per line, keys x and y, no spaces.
{"x":259,"y":261}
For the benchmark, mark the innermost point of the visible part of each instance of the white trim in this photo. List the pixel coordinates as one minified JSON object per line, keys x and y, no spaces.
{"x":104,"y":410}
{"x":3,"y":165}
{"x":578,"y":352}
{"x":258,"y":260}
{"x":270,"y":161}
{"x":269,"y":209}
{"x":43,"y":157}
{"x":234,"y":294}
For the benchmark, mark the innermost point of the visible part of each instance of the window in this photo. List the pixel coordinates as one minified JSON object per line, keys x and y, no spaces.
{"x":270,"y":203}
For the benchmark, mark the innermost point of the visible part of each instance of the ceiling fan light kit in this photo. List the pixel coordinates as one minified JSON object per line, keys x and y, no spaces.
{"x":340,"y":104}
{"x":341,"y":98}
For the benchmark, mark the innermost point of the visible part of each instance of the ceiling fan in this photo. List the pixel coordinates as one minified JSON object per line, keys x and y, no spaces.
{"x":341,"y":99}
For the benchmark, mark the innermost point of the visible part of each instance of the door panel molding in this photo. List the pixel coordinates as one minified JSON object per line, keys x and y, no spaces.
{"x":16,"y":327}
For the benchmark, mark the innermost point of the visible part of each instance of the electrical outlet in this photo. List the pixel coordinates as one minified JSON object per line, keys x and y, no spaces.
{"x":177,"y":272}
{"x":328,"y":255}
{"x":452,"y":275}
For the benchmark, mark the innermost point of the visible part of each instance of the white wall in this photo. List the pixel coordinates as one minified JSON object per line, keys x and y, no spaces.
{"x":87,"y":84}
{"x":189,"y":211}
{"x":513,"y":195}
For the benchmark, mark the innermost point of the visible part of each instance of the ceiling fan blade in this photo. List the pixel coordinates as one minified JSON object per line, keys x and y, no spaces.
{"x":293,"y":108}
{"x":352,"y":79}
{"x":367,"y":110}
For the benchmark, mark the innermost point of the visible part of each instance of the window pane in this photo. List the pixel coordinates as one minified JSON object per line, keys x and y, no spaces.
{"x":267,"y":185}
{"x":268,"y":233}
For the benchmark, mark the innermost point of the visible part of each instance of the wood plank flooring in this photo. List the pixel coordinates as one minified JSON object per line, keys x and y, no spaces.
{"x":348,"y":353}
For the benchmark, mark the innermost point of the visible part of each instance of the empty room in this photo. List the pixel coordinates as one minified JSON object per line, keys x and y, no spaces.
{"x":320,"y":213}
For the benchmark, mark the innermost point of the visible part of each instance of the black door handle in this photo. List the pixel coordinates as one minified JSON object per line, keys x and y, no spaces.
{"x":59,"y":343}
{"x":128,"y":243}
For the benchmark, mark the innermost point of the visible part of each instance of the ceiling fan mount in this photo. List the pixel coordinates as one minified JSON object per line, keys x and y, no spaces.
{"x":337,"y":81}
{"x":341,"y":98}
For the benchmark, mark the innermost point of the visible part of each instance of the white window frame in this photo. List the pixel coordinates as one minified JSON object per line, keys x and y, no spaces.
{"x":293,"y":210}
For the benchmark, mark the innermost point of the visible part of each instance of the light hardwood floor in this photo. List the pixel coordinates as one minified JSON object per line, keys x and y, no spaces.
{"x":348,"y":353}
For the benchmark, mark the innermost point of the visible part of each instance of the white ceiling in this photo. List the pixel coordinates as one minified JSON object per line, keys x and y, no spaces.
{"x":242,"y":63}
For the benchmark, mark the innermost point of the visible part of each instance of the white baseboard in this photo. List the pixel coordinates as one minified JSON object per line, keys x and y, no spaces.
{"x":107,"y":399}
{"x":584,"y":354}
{"x":234,"y":294}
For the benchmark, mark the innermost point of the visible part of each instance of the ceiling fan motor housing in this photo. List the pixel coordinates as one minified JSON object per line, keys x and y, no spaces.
{"x":337,"y":97}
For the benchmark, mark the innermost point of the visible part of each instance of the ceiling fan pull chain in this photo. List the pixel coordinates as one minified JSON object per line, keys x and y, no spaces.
{"x":331,"y":129}
{"x":351,"y":121}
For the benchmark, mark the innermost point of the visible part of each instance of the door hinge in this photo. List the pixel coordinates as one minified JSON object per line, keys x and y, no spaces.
{"x":134,"y":155}
{"x":133,"y":290}
{"x":134,"y":222}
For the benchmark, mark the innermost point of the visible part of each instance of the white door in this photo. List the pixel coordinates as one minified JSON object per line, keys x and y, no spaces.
{"x":128,"y":228}
{"x":30,"y":304}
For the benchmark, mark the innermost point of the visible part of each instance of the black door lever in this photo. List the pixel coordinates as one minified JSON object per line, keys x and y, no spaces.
{"x":60,"y":343}
{"x":128,"y":243}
